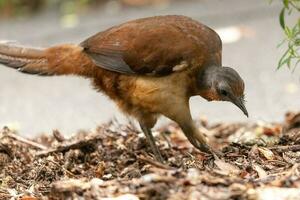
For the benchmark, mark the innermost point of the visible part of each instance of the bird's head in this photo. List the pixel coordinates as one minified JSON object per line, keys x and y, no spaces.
{"x":222,"y":84}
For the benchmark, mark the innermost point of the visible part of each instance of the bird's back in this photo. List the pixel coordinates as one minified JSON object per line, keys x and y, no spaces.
{"x":154,"y":45}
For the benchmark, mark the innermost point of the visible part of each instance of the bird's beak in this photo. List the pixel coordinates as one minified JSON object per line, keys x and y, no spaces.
{"x":239,"y":102}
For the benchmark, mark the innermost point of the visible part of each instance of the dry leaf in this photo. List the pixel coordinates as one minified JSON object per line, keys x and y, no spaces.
{"x":260,"y":171}
{"x":268,"y":154}
{"x":99,"y":172}
{"x":227,"y":168}
{"x":28,"y":198}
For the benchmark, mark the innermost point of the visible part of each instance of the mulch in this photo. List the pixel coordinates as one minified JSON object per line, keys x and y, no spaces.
{"x":114,"y":162}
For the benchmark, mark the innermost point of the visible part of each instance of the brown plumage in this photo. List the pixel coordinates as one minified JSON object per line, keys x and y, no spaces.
{"x":149,"y":67}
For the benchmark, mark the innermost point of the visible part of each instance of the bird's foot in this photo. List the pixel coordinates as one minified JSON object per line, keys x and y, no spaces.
{"x":204,"y":147}
{"x":155,"y":150}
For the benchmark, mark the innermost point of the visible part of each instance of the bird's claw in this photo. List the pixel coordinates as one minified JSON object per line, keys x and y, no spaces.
{"x":204,"y":147}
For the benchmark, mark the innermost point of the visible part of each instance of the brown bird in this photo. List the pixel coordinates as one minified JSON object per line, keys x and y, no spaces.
{"x":149,"y":67}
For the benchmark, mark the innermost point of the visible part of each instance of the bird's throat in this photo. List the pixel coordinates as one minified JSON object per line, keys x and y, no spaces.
{"x":205,"y":82}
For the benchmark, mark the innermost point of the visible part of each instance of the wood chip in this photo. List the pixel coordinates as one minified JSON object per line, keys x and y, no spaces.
{"x":268,"y":154}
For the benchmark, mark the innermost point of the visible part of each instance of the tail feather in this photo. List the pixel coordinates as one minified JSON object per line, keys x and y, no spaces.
{"x":58,"y":60}
{"x":26,"y":60}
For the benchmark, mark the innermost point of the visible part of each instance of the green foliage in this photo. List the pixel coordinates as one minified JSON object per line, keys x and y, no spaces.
{"x":291,"y":56}
{"x":21,"y":7}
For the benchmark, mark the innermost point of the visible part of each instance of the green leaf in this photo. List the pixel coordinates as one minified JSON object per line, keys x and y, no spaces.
{"x":288,"y":32}
{"x":281,"y":18}
{"x":281,"y":43}
{"x":286,"y":3}
{"x":284,"y":59}
{"x":282,"y":62}
{"x":289,"y":59}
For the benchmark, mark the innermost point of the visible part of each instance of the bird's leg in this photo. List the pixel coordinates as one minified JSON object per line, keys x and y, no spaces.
{"x":181,"y":114}
{"x":150,"y":139}
{"x":195,"y":137}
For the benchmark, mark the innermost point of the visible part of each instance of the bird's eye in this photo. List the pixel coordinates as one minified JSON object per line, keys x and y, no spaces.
{"x":224,"y":92}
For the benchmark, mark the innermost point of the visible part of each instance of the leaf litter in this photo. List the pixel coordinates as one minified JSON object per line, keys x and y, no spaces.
{"x":114,"y":162}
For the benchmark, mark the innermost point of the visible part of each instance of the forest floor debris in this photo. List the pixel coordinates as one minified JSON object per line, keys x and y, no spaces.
{"x":114,"y":162}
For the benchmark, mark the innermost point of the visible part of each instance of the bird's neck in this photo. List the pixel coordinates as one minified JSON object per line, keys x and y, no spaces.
{"x":205,"y":82}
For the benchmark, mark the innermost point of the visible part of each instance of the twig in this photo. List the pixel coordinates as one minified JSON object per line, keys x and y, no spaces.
{"x":66,"y":147}
{"x":26,"y":141}
{"x":266,"y":179}
{"x":153,"y":162}
{"x":67,"y":171}
{"x":286,"y":148}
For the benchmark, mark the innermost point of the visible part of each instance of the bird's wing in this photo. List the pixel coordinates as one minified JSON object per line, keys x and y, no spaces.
{"x":153,"y":46}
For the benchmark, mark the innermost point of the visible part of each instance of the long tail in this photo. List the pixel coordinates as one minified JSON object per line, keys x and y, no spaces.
{"x":57,"y":60}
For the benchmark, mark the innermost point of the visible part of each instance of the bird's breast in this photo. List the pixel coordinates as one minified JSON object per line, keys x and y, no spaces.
{"x":157,"y":93}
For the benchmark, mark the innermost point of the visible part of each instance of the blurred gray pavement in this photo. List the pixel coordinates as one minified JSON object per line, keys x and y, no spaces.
{"x":38,"y":104}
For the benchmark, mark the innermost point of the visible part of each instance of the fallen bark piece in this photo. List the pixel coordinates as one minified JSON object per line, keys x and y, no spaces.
{"x":292,"y":120}
{"x":58,"y":136}
{"x":4,"y":148}
{"x":86,"y":142}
